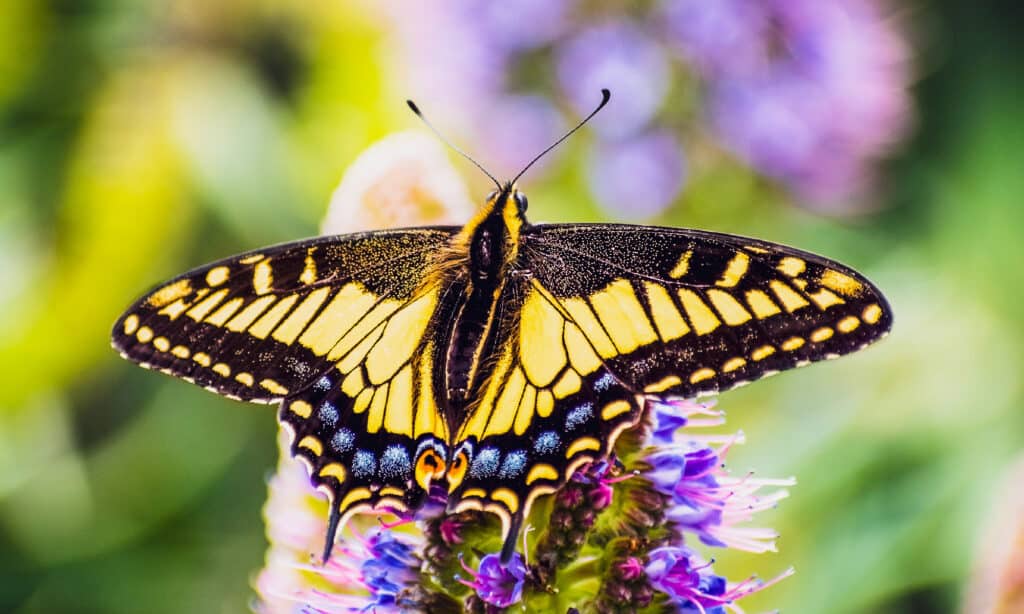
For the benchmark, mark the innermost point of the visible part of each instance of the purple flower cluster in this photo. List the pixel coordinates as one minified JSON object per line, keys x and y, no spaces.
{"x":703,"y":500}
{"x":808,"y":93}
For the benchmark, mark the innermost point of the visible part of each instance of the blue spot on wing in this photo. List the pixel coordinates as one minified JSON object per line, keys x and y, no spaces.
{"x":363,"y":464}
{"x":513,"y":464}
{"x":485,"y":464}
{"x":343,"y":440}
{"x":395,"y":462}
{"x":546,"y":443}
{"x":328,"y":414}
{"x":579,"y":416}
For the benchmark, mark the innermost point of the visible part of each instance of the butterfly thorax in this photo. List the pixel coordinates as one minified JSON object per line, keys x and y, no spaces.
{"x":481,"y":259}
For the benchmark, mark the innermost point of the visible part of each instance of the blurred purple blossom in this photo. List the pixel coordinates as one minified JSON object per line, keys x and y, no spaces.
{"x":811,"y":94}
{"x":642,"y":175}
{"x":624,"y":58}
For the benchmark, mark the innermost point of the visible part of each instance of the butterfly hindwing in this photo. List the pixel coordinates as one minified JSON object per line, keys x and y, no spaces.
{"x":548,"y":408}
{"x":684,"y":312}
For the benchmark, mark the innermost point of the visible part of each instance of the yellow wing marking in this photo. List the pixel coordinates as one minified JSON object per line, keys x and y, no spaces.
{"x":848,"y":324}
{"x":245,"y":379}
{"x":228,"y":309}
{"x":623,"y":316}
{"x":732,"y":312}
{"x":131,"y":324}
{"x":312,"y":444}
{"x":301,"y":409}
{"x":541,"y":471}
{"x":666,"y":316}
{"x":541,"y":325}
{"x":334,"y":470}
{"x":217,"y":275}
{"x":273,"y":387}
{"x":701,"y":374}
{"x":762,"y":306}
{"x":732,"y":364}
{"x":170,"y":293}
{"x":249,"y":314}
{"x":297,"y":320}
{"x":569,"y":383}
{"x":789,"y":297}
{"x":762,"y":352}
{"x":682,"y":266}
{"x":663,"y":384}
{"x":263,"y":277}
{"x":144,"y":334}
{"x":735,"y":271}
{"x":402,"y":333}
{"x":272,"y":317}
{"x":350,"y":303}
{"x":308,"y":274}
{"x":506,"y":497}
{"x":221,"y":369}
{"x":503,"y":413}
{"x":375,"y":419}
{"x":872,"y":314}
{"x":615,"y":408}
{"x":822,"y":334}
{"x":206,"y":305}
{"x":841,"y":283}
{"x":399,"y":416}
{"x":793,"y":343}
{"x":583,"y":444}
{"x":824,"y":298}
{"x":701,"y":316}
{"x":590,"y":327}
{"x":527,"y":405}
{"x":791,"y":266}
{"x":162,"y":344}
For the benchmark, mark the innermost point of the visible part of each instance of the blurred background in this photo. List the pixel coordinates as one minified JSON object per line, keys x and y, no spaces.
{"x":140,"y":139}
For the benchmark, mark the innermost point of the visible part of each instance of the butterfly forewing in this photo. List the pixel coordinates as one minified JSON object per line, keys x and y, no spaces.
{"x":683,"y":312}
{"x":260,"y":325}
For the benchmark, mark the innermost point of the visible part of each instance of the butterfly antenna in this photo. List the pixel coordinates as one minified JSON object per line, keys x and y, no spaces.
{"x":605,"y":97}
{"x":419,"y":114}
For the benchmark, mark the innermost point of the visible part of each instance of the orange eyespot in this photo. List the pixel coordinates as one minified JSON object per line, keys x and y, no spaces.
{"x":457,"y":471}
{"x":429,"y":466}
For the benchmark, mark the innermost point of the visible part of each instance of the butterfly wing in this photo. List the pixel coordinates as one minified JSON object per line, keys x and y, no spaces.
{"x":338,"y":329}
{"x":610,"y":314}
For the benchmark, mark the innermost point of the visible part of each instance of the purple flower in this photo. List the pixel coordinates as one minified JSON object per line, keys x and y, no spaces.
{"x":680,"y":573}
{"x":641,"y":175}
{"x":719,"y":36}
{"x":502,"y":22}
{"x":621,"y":57}
{"x":669,"y":415}
{"x":708,"y":502}
{"x":497,"y":584}
{"x":828,"y":95}
{"x":524,"y":126}
{"x":688,"y":580}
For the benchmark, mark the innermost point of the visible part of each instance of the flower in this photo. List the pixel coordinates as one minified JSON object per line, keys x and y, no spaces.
{"x":709,"y":503}
{"x":680,"y":573}
{"x":811,"y":94}
{"x":497,"y":584}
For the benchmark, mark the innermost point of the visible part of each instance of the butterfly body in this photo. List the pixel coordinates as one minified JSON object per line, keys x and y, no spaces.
{"x":495,"y":359}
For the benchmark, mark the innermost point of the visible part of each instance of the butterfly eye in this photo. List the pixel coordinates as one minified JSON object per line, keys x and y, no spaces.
{"x":521,"y":202}
{"x":457,"y":471}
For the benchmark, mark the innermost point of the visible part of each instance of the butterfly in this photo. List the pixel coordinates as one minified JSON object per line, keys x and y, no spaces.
{"x":495,"y":359}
